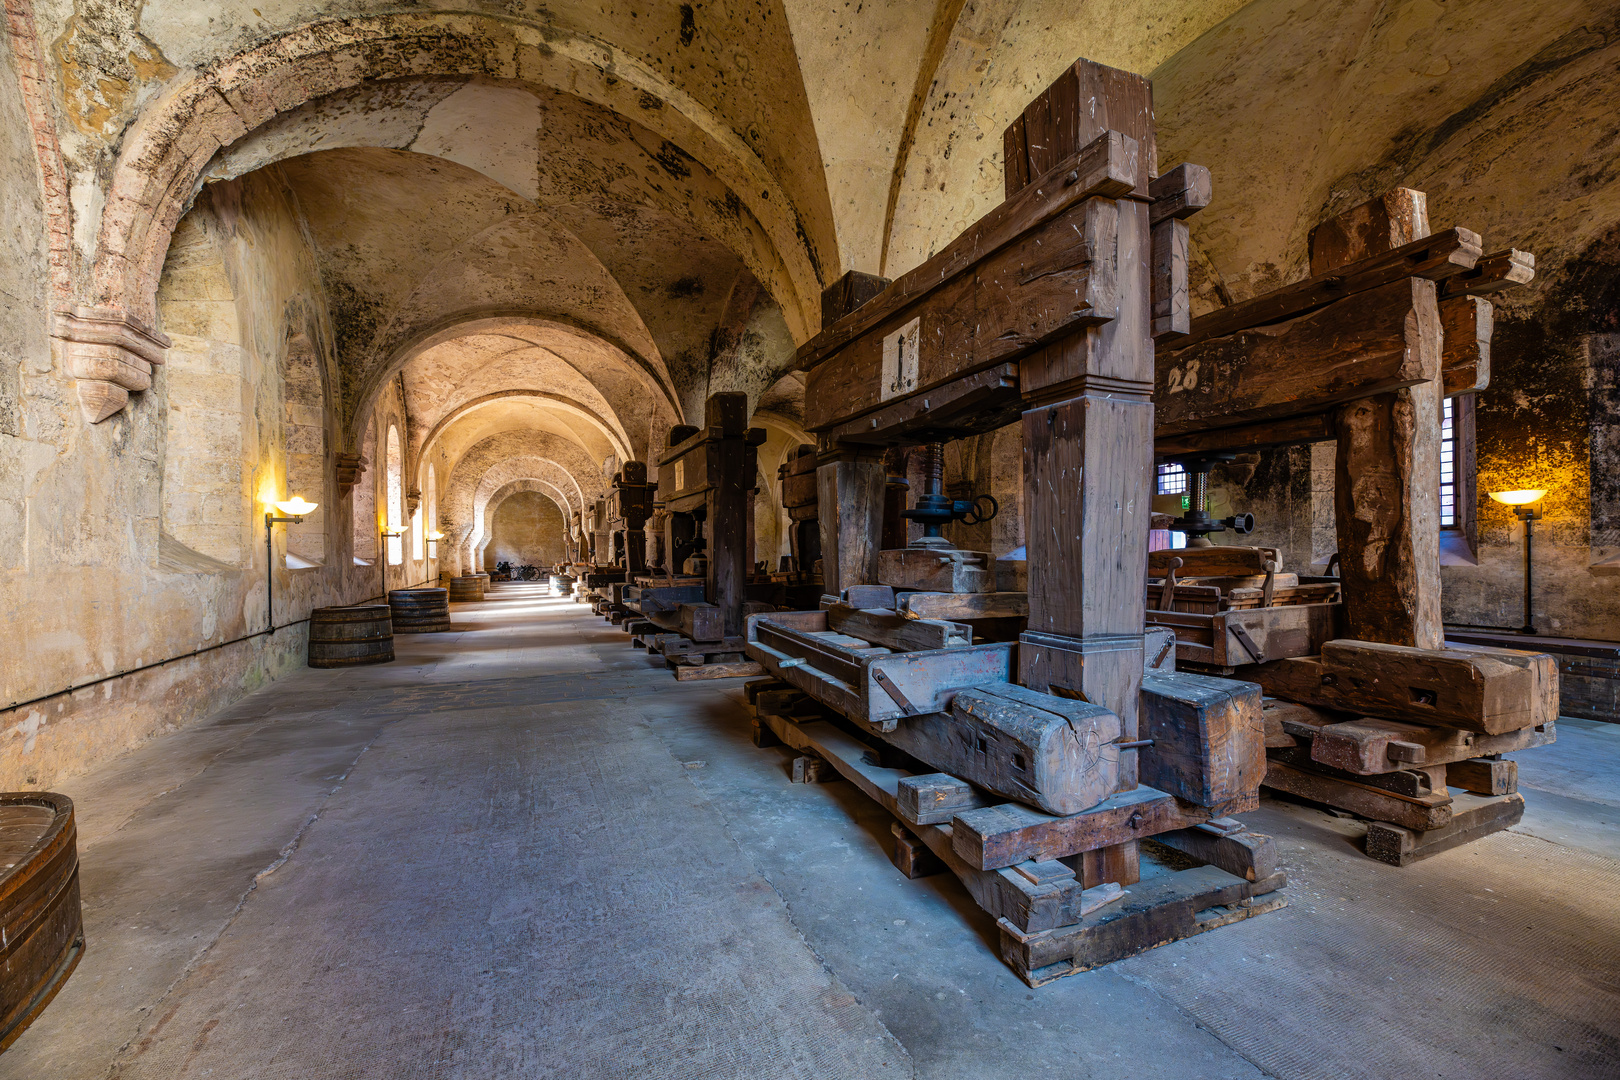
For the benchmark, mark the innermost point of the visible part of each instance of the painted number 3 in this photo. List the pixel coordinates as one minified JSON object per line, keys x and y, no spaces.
{"x":1184,"y":380}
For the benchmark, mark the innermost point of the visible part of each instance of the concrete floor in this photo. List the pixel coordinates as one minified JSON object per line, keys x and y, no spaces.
{"x":523,"y":850}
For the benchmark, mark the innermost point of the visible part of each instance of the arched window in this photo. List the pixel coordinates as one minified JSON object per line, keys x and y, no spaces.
{"x":205,"y":503}
{"x":365,"y":502}
{"x":304,"y":409}
{"x":416,"y":533}
{"x":430,"y":499}
{"x":396,"y":499}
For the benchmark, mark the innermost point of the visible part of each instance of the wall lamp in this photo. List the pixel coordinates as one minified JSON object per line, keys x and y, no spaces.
{"x":1520,"y":502}
{"x":294,"y":510}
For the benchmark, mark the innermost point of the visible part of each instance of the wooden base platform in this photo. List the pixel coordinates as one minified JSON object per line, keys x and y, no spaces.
{"x":1050,"y":924}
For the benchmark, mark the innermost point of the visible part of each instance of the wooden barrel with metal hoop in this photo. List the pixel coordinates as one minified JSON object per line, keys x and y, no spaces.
{"x":483,"y":580}
{"x":465,"y":589}
{"x":344,"y":636}
{"x":41,"y":921}
{"x":420,"y":611}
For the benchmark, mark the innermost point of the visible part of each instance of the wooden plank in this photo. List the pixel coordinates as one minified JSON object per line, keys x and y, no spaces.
{"x":1465,"y":356}
{"x":1035,"y":290}
{"x":937,"y":570}
{"x":896,"y":631}
{"x":1086,"y":99}
{"x":1007,"y":834}
{"x":1420,"y":813}
{"x":960,"y":606}
{"x":740,"y":670}
{"x":1105,"y":167}
{"x":934,"y":798}
{"x":1484,"y":776}
{"x":1363,"y":345}
{"x":1434,"y":258}
{"x":1208,"y":738}
{"x":1412,"y":781}
{"x":1472,"y":816}
{"x":1172,"y":298}
{"x":1051,"y":753}
{"x":1289,"y":431}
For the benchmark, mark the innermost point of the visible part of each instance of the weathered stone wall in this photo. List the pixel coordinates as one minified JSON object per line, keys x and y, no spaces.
{"x":136,"y":563}
{"x":528,"y":531}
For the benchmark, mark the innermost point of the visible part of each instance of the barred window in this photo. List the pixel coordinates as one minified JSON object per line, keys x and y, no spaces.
{"x":1448,"y":465}
{"x":1172,"y":479}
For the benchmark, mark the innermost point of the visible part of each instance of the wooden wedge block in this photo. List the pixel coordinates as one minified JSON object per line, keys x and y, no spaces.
{"x":984,"y":605}
{"x":1371,"y":745}
{"x":1229,"y":561}
{"x":1471,"y":689}
{"x":763,"y":735}
{"x":934,"y":798}
{"x":896,"y":631}
{"x":702,"y":622}
{"x":1050,"y":752}
{"x":807,"y":769}
{"x":1485,"y":776}
{"x":912,"y":857}
{"x":937,"y":570}
{"x":1472,"y":816}
{"x":1412,"y":781}
{"x":1249,"y":855}
{"x":998,"y":836}
{"x":1208,"y":737}
{"x":744,"y":669}
{"x":1421,"y":813}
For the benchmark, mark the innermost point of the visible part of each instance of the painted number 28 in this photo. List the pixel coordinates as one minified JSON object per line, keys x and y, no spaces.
{"x":1184,"y":380}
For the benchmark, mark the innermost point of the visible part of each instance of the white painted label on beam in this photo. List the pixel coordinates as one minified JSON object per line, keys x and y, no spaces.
{"x":900,"y":360}
{"x":680,"y":476}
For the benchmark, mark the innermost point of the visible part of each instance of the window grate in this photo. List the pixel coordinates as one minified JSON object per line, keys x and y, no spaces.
{"x":1172,"y":479}
{"x":1448,"y":465}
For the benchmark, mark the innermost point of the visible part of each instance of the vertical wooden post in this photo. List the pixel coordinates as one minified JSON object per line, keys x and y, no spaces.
{"x":1386,"y":493}
{"x":1088,"y":434}
{"x":731,"y":463}
{"x":849,"y":479}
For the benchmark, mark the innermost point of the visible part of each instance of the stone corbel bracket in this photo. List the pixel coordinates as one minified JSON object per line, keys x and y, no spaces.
{"x":349,"y":468}
{"x":109,"y":353}
{"x":413,"y":499}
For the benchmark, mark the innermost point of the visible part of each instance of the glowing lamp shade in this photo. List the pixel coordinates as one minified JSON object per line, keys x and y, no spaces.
{"x":435,"y":536}
{"x":296,"y":506}
{"x":1518,"y":498}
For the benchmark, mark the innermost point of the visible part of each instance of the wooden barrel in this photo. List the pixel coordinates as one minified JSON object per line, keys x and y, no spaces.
{"x":420,"y":611}
{"x":483,"y":580}
{"x":341,"y":636}
{"x":465,"y":589}
{"x":41,"y":921}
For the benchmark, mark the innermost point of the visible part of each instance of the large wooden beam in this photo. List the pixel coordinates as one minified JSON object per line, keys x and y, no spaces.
{"x":1362,"y":345}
